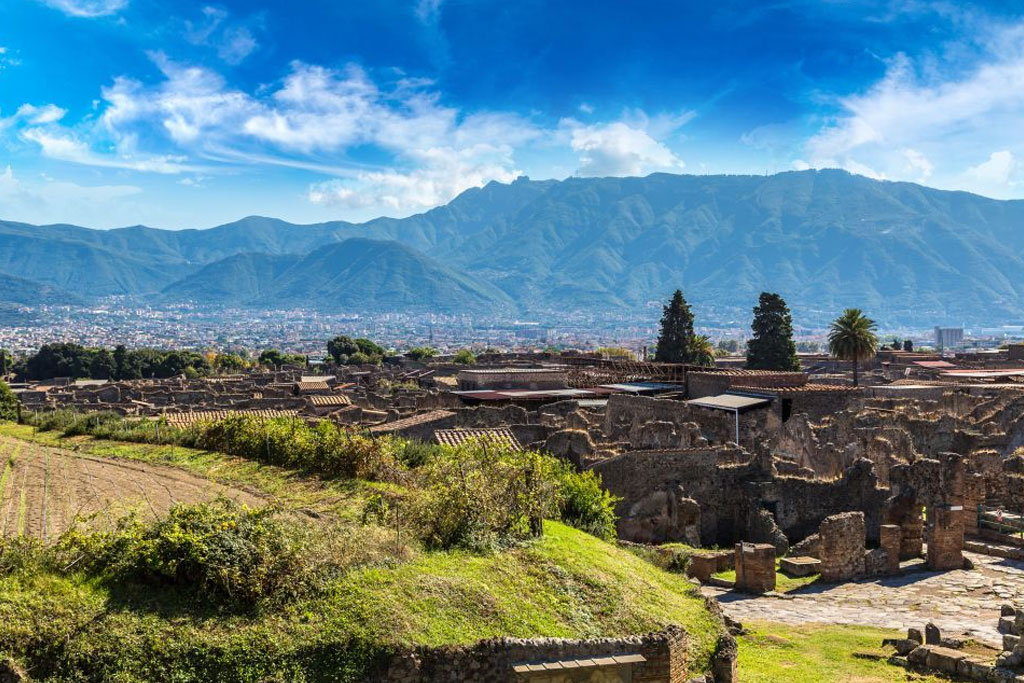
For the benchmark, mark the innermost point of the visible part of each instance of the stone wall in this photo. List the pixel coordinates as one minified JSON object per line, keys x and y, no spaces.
{"x":494,"y":661}
{"x":729,"y":495}
{"x":842,"y":547}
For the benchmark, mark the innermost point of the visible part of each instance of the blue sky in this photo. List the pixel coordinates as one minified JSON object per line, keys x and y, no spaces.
{"x":180,"y":114}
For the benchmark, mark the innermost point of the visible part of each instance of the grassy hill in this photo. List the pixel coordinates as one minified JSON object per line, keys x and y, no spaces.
{"x":70,"y":625}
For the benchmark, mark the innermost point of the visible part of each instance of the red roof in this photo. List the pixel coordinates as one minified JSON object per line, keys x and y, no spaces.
{"x":936,"y":364}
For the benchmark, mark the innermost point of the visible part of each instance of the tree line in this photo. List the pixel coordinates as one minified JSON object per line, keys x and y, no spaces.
{"x":851,"y":337}
{"x":65,"y":359}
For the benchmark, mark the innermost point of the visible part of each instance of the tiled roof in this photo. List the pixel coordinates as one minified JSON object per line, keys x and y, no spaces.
{"x":318,"y":385}
{"x":801,"y":388}
{"x":501,"y":436}
{"x":411,"y":421}
{"x":327,"y":400}
{"x":189,"y":418}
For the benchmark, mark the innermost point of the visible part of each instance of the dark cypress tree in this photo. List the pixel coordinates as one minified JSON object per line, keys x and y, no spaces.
{"x":772,"y":347}
{"x":908,"y":345}
{"x":675,"y":343}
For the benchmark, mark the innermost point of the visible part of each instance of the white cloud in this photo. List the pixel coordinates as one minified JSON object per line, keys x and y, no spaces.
{"x":88,"y":8}
{"x":618,"y":149}
{"x":56,"y":201}
{"x":232,"y":41}
{"x":917,"y":164}
{"x":443,"y":174}
{"x":238,"y":43}
{"x":426,"y":151}
{"x":925,"y":121}
{"x":998,"y":173}
{"x":65,"y":147}
{"x":48,"y":113}
{"x":32,"y":115}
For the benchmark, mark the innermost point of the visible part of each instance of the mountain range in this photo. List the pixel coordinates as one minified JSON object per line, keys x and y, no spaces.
{"x":825,"y":240}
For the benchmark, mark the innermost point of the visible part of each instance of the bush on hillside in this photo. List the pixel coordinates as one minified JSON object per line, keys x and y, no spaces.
{"x":8,"y":403}
{"x":584,"y":504}
{"x":237,"y":553}
{"x":482,"y":496}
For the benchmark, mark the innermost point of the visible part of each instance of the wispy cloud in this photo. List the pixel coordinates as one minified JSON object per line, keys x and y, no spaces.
{"x":426,"y":152}
{"x":88,"y":9}
{"x":233,"y":41}
{"x":930,"y":121}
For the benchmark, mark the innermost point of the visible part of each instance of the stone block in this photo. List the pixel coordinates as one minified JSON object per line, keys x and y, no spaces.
{"x":1007,"y":625}
{"x":932,"y":635}
{"x":755,"y":567}
{"x":943,"y":659}
{"x":1007,"y":611}
{"x":945,"y":537}
{"x":915,"y":635}
{"x":1010,"y":641}
{"x":799,"y":566}
{"x":889,"y":540}
{"x":919,"y":655}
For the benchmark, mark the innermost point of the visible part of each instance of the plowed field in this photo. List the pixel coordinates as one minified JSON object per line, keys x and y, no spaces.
{"x":43,"y":489}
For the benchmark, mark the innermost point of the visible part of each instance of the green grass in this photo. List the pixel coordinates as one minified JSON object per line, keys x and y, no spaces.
{"x":567,"y":584}
{"x":783,"y":583}
{"x":72,"y":626}
{"x":818,"y":653}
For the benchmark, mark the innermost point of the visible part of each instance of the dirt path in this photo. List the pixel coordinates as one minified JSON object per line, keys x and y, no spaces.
{"x":43,"y":489}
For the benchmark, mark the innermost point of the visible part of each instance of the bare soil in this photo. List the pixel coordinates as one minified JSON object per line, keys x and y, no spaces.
{"x":43,"y":490}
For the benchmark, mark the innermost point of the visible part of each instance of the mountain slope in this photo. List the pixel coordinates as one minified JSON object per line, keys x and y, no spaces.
{"x":823,"y":239}
{"x":379,"y":275}
{"x":22,"y":292}
{"x":236,"y":279}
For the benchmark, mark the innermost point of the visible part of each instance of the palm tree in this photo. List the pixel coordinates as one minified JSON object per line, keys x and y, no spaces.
{"x":702,"y":351}
{"x":852,"y":337}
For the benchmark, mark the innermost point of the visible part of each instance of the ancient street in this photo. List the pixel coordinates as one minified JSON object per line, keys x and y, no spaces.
{"x":959,"y":601}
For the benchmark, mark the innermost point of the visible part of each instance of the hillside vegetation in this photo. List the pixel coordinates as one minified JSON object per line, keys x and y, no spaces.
{"x":331,"y":588}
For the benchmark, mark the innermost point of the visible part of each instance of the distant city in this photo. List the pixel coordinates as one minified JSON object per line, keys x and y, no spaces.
{"x":295,"y":330}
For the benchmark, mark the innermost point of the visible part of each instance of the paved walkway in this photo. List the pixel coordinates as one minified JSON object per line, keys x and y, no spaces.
{"x":958,"y":601}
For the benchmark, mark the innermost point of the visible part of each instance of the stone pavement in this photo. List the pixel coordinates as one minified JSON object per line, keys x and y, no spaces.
{"x":959,"y":601}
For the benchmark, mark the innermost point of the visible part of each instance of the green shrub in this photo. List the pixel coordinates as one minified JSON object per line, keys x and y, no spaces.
{"x":8,"y":403}
{"x":232,"y":551}
{"x":482,"y":496}
{"x":465,"y":357}
{"x":585,"y":505}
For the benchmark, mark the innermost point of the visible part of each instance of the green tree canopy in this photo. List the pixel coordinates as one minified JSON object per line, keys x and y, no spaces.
{"x":676,"y":339}
{"x":103,"y":365}
{"x":272,"y":357}
{"x":772,"y":347}
{"x":465,"y":357}
{"x":908,"y":345}
{"x":852,"y":337}
{"x":229,"y":362}
{"x":702,"y":351}
{"x":341,"y":347}
{"x":421,"y":352}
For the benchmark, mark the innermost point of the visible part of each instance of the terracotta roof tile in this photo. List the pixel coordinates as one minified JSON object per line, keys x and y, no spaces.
{"x":501,"y":436}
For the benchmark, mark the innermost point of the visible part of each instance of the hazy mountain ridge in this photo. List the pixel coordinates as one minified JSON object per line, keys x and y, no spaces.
{"x":823,"y":239}
{"x":355,"y":274}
